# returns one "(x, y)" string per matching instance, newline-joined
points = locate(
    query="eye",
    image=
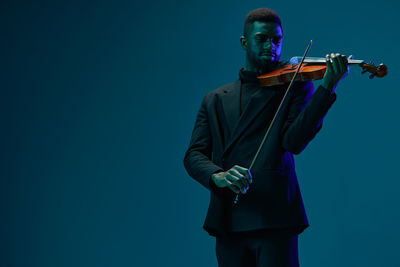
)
(260, 38)
(276, 40)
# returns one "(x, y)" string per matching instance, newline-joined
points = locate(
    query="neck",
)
(251, 68)
(259, 69)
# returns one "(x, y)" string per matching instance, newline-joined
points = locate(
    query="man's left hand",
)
(336, 69)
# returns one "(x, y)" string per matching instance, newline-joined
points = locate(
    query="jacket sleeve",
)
(197, 160)
(305, 115)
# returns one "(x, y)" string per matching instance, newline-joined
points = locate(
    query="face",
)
(263, 45)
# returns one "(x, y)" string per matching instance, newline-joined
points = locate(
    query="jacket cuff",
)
(212, 186)
(327, 95)
(327, 91)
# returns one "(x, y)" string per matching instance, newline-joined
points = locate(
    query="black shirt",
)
(249, 86)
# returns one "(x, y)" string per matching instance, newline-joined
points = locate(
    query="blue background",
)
(98, 102)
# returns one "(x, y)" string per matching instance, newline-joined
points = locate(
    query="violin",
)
(314, 68)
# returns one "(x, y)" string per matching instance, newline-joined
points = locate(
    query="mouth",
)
(267, 54)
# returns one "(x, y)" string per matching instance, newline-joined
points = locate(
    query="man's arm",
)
(197, 160)
(305, 116)
(198, 164)
(306, 111)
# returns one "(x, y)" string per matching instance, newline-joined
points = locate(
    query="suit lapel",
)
(238, 124)
(230, 105)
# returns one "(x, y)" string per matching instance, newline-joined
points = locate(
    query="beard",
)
(263, 65)
(267, 65)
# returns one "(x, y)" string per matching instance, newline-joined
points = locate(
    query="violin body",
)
(286, 73)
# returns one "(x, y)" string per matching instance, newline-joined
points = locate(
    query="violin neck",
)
(320, 60)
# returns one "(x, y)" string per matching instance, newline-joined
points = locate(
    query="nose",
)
(268, 43)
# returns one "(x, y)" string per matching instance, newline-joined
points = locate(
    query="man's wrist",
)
(213, 176)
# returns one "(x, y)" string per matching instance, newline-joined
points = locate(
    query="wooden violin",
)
(313, 69)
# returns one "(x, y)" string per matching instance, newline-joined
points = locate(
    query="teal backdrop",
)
(98, 102)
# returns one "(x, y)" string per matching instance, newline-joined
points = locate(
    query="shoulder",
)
(226, 88)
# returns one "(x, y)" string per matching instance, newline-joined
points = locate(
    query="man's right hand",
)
(237, 178)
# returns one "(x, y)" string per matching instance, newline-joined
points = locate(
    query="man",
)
(262, 228)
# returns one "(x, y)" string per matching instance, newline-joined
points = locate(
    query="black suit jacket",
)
(222, 138)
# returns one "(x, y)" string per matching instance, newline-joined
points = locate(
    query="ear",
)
(243, 42)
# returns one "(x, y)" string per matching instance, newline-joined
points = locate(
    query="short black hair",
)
(261, 14)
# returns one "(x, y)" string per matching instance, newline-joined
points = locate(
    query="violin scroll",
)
(379, 71)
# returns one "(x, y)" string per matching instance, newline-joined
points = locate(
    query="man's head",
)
(262, 40)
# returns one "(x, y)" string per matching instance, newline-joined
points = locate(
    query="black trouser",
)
(257, 249)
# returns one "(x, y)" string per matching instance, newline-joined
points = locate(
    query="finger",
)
(251, 176)
(345, 60)
(346, 63)
(335, 63)
(233, 187)
(329, 66)
(244, 172)
(236, 178)
(342, 63)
